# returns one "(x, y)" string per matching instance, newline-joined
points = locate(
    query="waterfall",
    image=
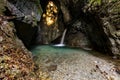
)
(62, 39)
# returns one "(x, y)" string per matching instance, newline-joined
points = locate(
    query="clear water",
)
(51, 49)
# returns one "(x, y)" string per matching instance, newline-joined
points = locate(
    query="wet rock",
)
(52, 67)
(27, 15)
(30, 11)
(51, 24)
(1, 38)
(78, 40)
(15, 60)
(12, 55)
(102, 25)
(47, 34)
(118, 33)
(111, 28)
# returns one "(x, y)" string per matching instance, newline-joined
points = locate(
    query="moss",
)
(2, 6)
(95, 2)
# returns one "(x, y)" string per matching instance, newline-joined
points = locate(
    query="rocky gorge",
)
(91, 25)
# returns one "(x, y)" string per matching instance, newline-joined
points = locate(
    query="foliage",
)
(95, 2)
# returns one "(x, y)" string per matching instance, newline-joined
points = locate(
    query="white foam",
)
(59, 45)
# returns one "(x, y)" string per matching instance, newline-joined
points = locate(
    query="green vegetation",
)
(95, 2)
(2, 6)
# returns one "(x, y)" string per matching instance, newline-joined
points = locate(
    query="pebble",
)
(1, 38)
(118, 33)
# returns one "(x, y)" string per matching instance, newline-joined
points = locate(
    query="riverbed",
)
(65, 63)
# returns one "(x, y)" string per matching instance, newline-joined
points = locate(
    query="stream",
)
(65, 63)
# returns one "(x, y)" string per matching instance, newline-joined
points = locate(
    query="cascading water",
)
(62, 39)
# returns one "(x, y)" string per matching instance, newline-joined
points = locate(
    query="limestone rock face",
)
(16, 62)
(108, 13)
(15, 59)
(28, 14)
(51, 25)
(111, 25)
(27, 11)
(101, 19)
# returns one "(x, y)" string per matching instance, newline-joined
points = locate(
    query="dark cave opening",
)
(24, 31)
(96, 34)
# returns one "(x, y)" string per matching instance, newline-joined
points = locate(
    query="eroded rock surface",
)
(101, 22)
(16, 61)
